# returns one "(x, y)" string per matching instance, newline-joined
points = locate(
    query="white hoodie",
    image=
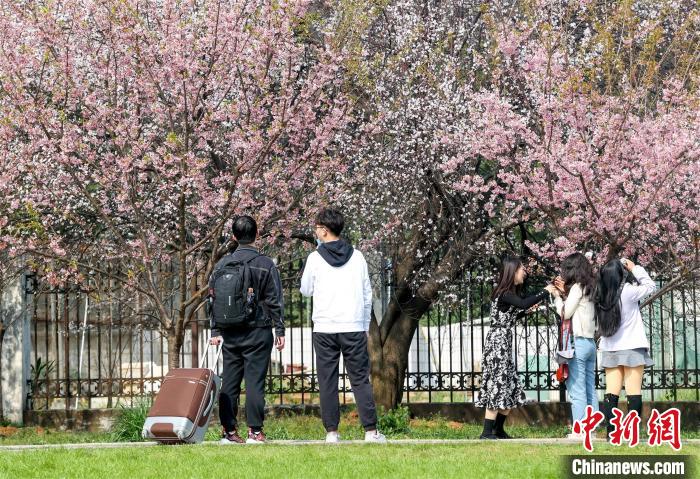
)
(342, 295)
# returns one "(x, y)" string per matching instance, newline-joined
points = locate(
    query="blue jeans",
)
(581, 380)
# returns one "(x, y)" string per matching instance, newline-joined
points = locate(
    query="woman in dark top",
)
(501, 389)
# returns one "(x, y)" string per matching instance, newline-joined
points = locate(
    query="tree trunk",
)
(390, 341)
(389, 344)
(175, 341)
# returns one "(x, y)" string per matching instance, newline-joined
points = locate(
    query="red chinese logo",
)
(665, 427)
(626, 429)
(662, 427)
(587, 425)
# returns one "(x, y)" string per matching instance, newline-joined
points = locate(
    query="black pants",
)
(354, 348)
(246, 354)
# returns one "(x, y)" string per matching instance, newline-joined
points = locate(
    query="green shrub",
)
(129, 421)
(394, 421)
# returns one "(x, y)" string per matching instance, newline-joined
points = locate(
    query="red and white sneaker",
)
(255, 437)
(231, 437)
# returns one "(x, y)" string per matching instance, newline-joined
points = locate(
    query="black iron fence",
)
(93, 350)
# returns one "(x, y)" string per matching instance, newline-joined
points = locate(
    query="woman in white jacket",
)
(623, 344)
(577, 285)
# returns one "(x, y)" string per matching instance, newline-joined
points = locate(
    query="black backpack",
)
(232, 299)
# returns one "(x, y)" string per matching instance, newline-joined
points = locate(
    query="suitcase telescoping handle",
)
(216, 359)
(212, 397)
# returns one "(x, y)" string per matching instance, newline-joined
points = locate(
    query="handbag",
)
(562, 373)
(565, 353)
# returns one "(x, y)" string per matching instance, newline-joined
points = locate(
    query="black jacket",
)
(266, 280)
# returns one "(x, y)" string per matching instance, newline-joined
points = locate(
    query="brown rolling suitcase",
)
(182, 409)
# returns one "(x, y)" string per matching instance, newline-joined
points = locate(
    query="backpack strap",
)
(248, 276)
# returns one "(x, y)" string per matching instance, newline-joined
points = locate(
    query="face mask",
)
(318, 242)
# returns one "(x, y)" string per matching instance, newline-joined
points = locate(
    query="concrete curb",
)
(296, 442)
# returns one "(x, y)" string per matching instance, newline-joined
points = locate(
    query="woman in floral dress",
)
(501, 389)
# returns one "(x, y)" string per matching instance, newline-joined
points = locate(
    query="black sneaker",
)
(488, 436)
(503, 435)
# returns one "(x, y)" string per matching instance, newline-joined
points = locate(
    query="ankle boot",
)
(488, 429)
(498, 429)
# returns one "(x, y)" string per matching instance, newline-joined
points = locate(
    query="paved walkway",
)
(112, 445)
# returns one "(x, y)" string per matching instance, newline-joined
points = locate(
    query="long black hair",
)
(612, 278)
(506, 281)
(577, 269)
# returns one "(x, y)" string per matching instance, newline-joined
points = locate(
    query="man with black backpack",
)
(245, 300)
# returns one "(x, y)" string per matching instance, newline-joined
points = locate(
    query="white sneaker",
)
(374, 436)
(575, 436)
(333, 437)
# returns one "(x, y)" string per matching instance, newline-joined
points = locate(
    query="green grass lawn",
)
(482, 460)
(479, 460)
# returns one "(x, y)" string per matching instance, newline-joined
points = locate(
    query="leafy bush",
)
(394, 421)
(129, 421)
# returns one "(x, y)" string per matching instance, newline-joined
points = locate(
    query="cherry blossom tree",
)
(426, 193)
(614, 159)
(141, 128)
(562, 125)
(450, 131)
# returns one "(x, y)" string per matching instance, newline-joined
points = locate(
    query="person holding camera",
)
(501, 390)
(623, 344)
(336, 277)
(574, 301)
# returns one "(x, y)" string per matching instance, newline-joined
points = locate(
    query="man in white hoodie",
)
(336, 277)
